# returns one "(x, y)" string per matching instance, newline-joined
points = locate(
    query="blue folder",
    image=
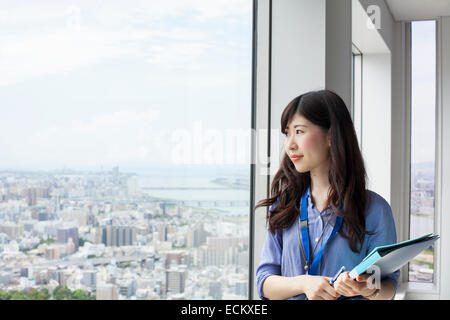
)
(392, 257)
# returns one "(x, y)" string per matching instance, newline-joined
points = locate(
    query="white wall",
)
(298, 59)
(376, 122)
(376, 91)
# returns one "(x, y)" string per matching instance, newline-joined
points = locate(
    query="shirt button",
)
(317, 239)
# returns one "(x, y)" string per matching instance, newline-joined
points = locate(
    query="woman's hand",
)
(318, 288)
(349, 287)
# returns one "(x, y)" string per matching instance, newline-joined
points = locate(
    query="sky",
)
(103, 83)
(423, 95)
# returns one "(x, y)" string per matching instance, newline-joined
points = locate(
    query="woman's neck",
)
(320, 185)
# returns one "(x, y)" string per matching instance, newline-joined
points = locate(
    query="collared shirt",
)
(281, 253)
(316, 222)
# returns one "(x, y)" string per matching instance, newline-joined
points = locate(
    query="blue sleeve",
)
(270, 262)
(381, 222)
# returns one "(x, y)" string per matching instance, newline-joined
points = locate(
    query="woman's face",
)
(309, 141)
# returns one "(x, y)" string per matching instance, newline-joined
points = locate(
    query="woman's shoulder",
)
(374, 199)
(376, 205)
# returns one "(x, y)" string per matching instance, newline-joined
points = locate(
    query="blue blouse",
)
(281, 253)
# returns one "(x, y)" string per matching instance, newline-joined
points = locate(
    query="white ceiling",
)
(409, 10)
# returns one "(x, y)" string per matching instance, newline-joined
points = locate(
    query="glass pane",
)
(124, 136)
(423, 86)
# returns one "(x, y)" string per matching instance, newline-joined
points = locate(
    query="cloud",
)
(35, 41)
(187, 53)
(107, 138)
(57, 52)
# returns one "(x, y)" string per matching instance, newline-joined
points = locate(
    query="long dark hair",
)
(347, 175)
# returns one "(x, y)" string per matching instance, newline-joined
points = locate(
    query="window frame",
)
(420, 284)
(357, 58)
(419, 290)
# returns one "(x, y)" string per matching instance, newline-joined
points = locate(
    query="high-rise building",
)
(114, 236)
(176, 280)
(221, 251)
(115, 174)
(241, 288)
(195, 236)
(89, 278)
(132, 186)
(128, 287)
(12, 229)
(106, 291)
(215, 290)
(31, 196)
(64, 234)
(163, 232)
(162, 205)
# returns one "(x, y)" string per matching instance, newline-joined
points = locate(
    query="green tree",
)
(44, 295)
(80, 294)
(17, 295)
(3, 295)
(33, 295)
(62, 293)
(38, 294)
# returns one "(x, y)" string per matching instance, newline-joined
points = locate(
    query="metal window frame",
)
(415, 287)
(260, 124)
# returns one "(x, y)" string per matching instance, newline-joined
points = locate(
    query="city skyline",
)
(130, 244)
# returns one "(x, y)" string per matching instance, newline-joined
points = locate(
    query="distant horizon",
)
(128, 167)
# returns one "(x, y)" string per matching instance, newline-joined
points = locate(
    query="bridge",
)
(61, 263)
(205, 203)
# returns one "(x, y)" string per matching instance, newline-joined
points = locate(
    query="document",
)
(392, 257)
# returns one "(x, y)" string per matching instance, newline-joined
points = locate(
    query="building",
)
(241, 288)
(165, 232)
(176, 280)
(89, 278)
(106, 291)
(176, 258)
(215, 290)
(127, 288)
(196, 236)
(221, 251)
(13, 230)
(30, 195)
(64, 234)
(132, 186)
(113, 236)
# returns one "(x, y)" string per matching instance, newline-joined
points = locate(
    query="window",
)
(124, 136)
(423, 97)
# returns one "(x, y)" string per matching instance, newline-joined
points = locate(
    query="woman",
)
(322, 172)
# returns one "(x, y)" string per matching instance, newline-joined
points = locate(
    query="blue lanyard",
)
(313, 268)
